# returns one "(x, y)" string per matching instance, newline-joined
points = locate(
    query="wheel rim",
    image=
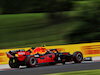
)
(79, 56)
(32, 61)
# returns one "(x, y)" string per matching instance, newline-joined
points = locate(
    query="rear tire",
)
(30, 61)
(13, 64)
(77, 57)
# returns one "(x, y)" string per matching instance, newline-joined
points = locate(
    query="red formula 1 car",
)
(52, 56)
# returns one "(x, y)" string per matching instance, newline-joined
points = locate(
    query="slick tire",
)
(30, 61)
(77, 57)
(13, 64)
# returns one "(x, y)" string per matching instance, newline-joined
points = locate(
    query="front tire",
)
(77, 57)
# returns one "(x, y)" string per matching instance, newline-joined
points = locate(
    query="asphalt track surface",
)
(41, 70)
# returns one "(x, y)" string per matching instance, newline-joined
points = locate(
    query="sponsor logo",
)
(46, 59)
(39, 50)
(1, 59)
(90, 50)
(21, 53)
(2, 54)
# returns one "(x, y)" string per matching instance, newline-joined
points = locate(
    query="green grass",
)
(85, 72)
(32, 29)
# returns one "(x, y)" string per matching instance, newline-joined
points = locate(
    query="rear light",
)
(9, 55)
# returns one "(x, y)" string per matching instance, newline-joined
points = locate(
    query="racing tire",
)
(13, 64)
(30, 61)
(77, 57)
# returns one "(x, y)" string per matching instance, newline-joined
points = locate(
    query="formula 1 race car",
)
(24, 58)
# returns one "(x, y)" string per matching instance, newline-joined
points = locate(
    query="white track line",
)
(5, 66)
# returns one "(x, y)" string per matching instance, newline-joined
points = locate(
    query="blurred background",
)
(52, 22)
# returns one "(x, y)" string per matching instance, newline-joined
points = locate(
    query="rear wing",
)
(12, 53)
